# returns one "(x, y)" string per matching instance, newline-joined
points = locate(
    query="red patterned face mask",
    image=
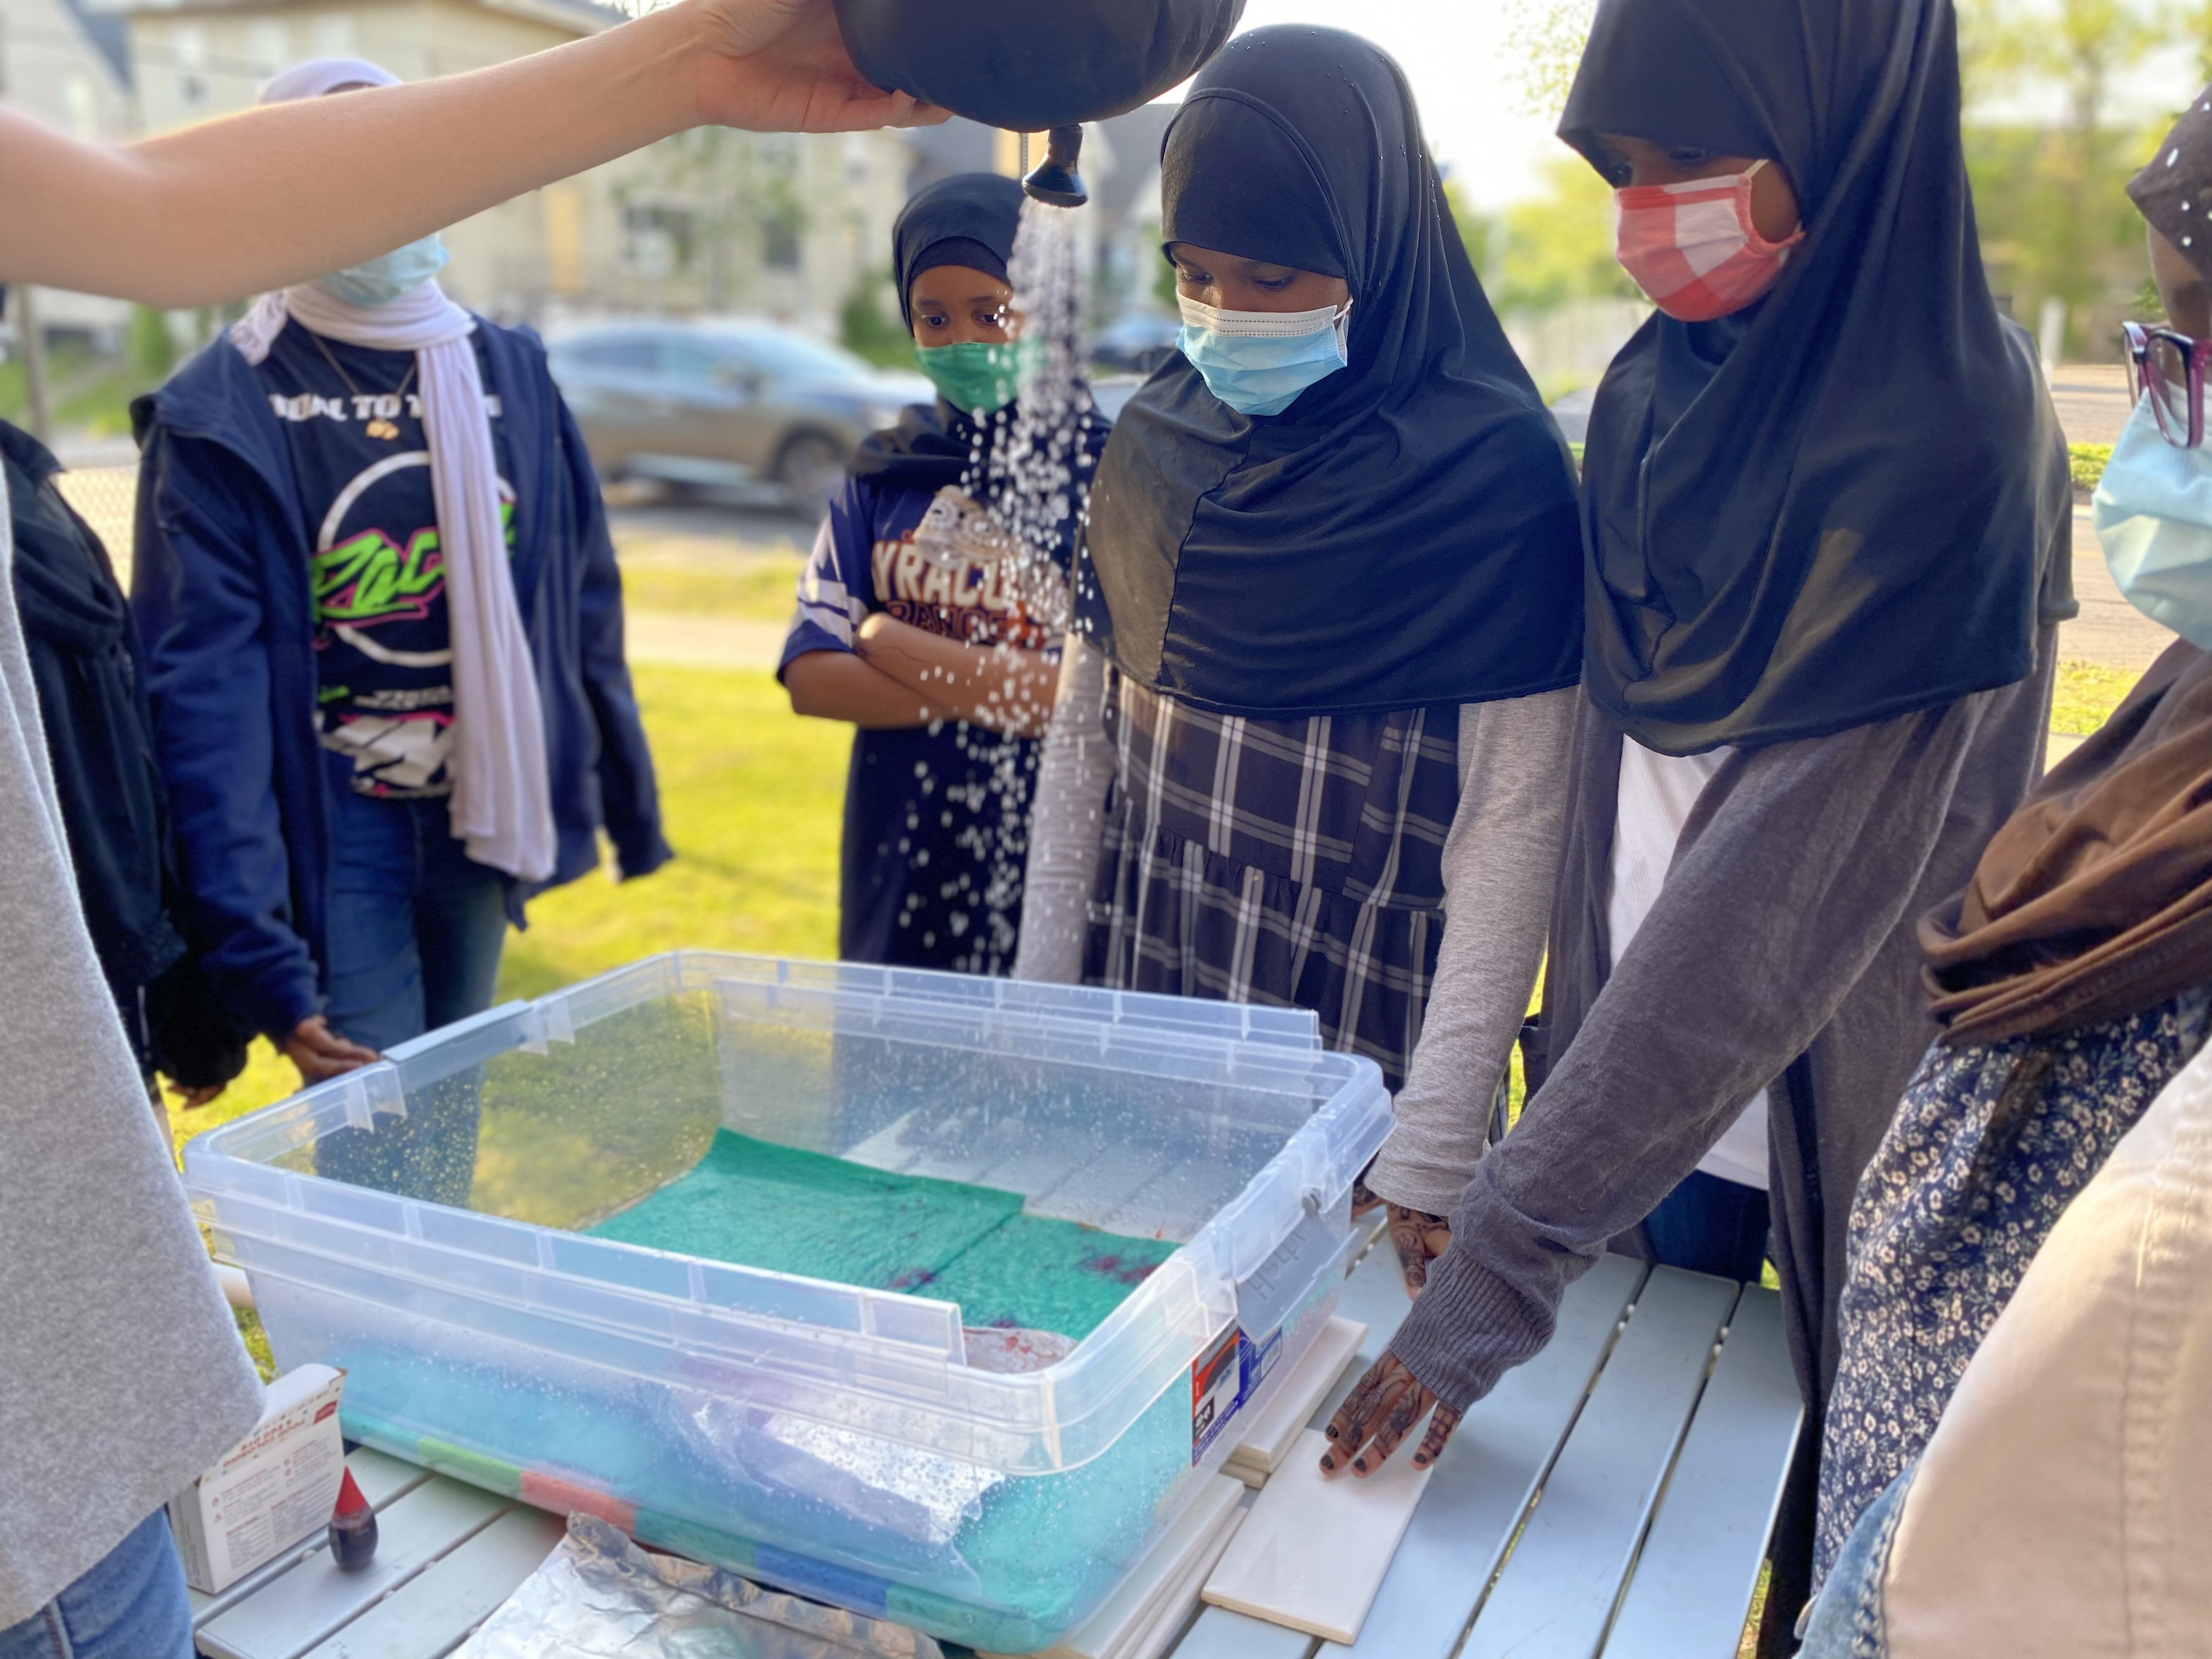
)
(1692, 247)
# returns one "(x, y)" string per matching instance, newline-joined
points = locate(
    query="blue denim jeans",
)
(416, 930)
(1711, 1225)
(130, 1606)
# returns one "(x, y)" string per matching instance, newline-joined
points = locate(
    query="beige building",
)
(771, 224)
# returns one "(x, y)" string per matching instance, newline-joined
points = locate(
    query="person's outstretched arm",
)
(290, 192)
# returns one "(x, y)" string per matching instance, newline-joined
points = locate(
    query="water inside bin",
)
(756, 1204)
(496, 1328)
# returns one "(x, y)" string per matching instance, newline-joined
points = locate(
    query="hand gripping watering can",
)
(1034, 64)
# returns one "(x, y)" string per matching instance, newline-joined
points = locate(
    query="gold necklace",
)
(378, 426)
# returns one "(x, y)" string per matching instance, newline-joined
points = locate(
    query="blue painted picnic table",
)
(1611, 1499)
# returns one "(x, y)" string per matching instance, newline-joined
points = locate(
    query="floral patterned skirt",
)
(1990, 1144)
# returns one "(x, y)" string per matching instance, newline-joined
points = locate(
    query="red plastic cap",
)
(351, 1502)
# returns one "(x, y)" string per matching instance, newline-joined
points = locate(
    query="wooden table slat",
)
(1557, 1592)
(314, 1599)
(1700, 1563)
(433, 1613)
(450, 1554)
(1221, 1634)
(1486, 1476)
(381, 1480)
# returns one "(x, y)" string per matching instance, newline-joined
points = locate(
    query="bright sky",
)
(1454, 52)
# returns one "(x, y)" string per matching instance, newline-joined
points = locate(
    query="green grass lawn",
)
(2086, 696)
(761, 587)
(751, 796)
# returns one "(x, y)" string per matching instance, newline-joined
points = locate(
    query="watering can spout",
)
(1054, 179)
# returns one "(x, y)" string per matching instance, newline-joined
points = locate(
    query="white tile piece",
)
(1267, 1439)
(1313, 1552)
(1127, 1611)
(1173, 1610)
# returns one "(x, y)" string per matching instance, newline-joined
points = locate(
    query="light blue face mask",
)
(2153, 516)
(381, 281)
(1259, 362)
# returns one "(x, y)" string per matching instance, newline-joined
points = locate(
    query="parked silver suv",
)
(737, 402)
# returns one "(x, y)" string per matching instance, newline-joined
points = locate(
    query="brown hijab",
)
(2095, 899)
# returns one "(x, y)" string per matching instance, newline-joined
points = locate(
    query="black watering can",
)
(1031, 65)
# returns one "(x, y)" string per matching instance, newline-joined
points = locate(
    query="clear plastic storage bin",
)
(836, 1440)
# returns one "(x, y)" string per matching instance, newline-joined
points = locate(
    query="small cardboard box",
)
(273, 1490)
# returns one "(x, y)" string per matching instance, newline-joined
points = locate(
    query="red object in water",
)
(353, 1528)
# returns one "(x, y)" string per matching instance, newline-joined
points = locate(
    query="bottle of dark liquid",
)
(353, 1528)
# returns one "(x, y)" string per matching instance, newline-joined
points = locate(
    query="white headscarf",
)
(501, 803)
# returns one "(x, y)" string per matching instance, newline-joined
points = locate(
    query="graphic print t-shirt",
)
(376, 568)
(936, 822)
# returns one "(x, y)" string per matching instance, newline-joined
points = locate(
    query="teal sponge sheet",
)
(1029, 1274)
(757, 1205)
(754, 1204)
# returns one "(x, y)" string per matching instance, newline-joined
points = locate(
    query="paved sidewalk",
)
(2091, 400)
(2109, 631)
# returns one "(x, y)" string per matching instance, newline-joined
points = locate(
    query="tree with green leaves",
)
(2052, 200)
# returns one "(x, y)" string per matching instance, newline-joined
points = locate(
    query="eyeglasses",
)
(2170, 365)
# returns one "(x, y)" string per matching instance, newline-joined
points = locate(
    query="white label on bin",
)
(1217, 1390)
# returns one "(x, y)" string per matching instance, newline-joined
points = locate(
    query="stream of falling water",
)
(1036, 478)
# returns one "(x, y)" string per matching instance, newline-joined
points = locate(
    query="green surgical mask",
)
(978, 378)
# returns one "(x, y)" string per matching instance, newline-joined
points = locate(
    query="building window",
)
(657, 241)
(83, 107)
(188, 59)
(859, 148)
(782, 221)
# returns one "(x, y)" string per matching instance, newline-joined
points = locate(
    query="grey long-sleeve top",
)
(122, 1377)
(1500, 859)
(1780, 948)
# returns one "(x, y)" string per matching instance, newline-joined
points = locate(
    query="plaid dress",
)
(1289, 862)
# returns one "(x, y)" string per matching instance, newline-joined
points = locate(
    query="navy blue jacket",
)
(220, 593)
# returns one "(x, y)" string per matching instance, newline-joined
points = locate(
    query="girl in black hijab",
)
(1827, 517)
(1327, 615)
(930, 612)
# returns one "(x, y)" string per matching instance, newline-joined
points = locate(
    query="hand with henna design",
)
(1386, 1406)
(1420, 1238)
(1364, 1201)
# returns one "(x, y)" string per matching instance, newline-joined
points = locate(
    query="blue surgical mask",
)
(2153, 510)
(1259, 362)
(381, 281)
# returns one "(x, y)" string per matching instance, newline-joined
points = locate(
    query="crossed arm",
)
(898, 675)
